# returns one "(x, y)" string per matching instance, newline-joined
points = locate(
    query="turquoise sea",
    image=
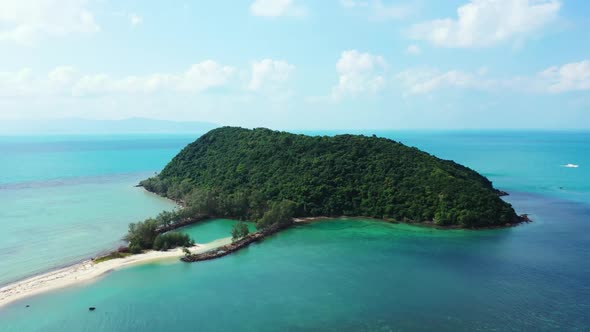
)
(66, 198)
(343, 275)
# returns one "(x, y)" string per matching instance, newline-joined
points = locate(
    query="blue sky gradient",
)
(296, 64)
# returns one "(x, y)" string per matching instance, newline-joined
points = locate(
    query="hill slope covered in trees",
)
(244, 173)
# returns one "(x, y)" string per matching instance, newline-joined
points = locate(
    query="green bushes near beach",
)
(147, 234)
(239, 231)
(278, 213)
(172, 240)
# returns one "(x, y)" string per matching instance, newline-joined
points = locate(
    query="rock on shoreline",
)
(235, 246)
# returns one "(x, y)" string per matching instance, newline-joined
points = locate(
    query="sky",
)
(300, 64)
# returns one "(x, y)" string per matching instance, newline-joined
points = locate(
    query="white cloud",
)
(199, 77)
(569, 77)
(66, 80)
(275, 8)
(484, 23)
(557, 79)
(270, 73)
(25, 21)
(423, 81)
(135, 19)
(381, 10)
(205, 75)
(359, 73)
(414, 50)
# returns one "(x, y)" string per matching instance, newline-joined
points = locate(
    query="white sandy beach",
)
(88, 270)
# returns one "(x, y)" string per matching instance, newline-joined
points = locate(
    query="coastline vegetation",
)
(172, 240)
(120, 253)
(239, 231)
(270, 177)
(153, 233)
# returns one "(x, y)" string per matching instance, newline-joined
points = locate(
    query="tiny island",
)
(278, 179)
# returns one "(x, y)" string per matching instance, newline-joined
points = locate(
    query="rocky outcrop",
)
(235, 246)
(525, 218)
(502, 193)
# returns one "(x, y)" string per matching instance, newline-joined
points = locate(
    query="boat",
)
(571, 166)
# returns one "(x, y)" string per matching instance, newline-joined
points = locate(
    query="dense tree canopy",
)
(151, 233)
(249, 173)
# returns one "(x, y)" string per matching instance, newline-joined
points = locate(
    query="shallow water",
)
(360, 275)
(346, 275)
(64, 199)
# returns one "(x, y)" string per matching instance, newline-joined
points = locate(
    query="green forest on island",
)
(270, 176)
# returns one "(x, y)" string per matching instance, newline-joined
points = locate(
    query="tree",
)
(146, 235)
(142, 234)
(166, 218)
(135, 249)
(186, 251)
(239, 231)
(279, 213)
(172, 240)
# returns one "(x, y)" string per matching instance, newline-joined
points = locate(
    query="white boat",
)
(571, 166)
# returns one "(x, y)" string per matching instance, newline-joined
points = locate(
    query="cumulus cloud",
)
(66, 80)
(275, 8)
(25, 21)
(569, 77)
(359, 73)
(270, 73)
(484, 23)
(423, 81)
(204, 75)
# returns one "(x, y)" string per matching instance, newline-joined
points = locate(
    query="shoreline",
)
(523, 219)
(88, 270)
(236, 245)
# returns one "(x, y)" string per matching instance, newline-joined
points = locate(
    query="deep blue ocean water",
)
(345, 275)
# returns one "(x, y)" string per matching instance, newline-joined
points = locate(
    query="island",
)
(277, 178)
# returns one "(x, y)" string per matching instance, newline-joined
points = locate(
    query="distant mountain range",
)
(84, 126)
